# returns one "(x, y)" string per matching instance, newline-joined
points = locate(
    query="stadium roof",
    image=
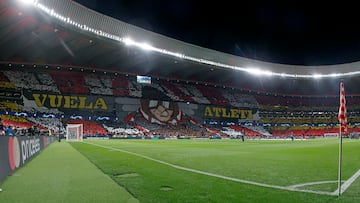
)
(301, 33)
(65, 34)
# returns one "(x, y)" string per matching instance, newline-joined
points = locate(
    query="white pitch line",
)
(290, 188)
(347, 183)
(312, 183)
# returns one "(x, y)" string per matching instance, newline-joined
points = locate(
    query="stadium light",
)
(269, 73)
(257, 71)
(317, 76)
(254, 71)
(145, 46)
(129, 42)
(28, 1)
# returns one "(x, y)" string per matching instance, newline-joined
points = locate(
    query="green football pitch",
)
(188, 171)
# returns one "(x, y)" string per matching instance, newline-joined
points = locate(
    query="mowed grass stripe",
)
(61, 174)
(148, 178)
(215, 175)
(283, 163)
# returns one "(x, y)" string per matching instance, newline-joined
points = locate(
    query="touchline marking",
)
(289, 188)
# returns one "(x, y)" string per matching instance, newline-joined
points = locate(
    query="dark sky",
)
(289, 33)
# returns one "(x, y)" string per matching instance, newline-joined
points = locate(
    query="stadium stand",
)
(278, 115)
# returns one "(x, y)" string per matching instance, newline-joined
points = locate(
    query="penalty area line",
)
(215, 175)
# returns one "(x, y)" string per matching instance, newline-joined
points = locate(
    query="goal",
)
(331, 135)
(74, 132)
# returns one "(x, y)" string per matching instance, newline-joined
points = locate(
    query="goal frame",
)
(79, 132)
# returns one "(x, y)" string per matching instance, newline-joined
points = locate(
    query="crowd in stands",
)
(280, 115)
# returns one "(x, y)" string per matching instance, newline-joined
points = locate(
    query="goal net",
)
(331, 135)
(74, 132)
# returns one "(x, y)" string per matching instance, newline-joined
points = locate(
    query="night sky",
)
(288, 33)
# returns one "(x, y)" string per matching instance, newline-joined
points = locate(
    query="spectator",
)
(31, 131)
(2, 130)
(36, 131)
(9, 131)
(243, 135)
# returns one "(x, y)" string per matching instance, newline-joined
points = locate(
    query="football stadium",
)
(94, 109)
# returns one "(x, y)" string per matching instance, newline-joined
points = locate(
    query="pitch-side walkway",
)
(62, 174)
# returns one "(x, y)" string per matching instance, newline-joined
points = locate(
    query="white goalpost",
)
(74, 132)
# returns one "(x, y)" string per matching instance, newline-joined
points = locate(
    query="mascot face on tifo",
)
(161, 112)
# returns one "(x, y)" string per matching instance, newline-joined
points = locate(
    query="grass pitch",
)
(186, 171)
(209, 170)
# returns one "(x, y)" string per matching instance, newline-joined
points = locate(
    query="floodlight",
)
(145, 46)
(316, 76)
(128, 41)
(27, 1)
(254, 71)
(257, 71)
